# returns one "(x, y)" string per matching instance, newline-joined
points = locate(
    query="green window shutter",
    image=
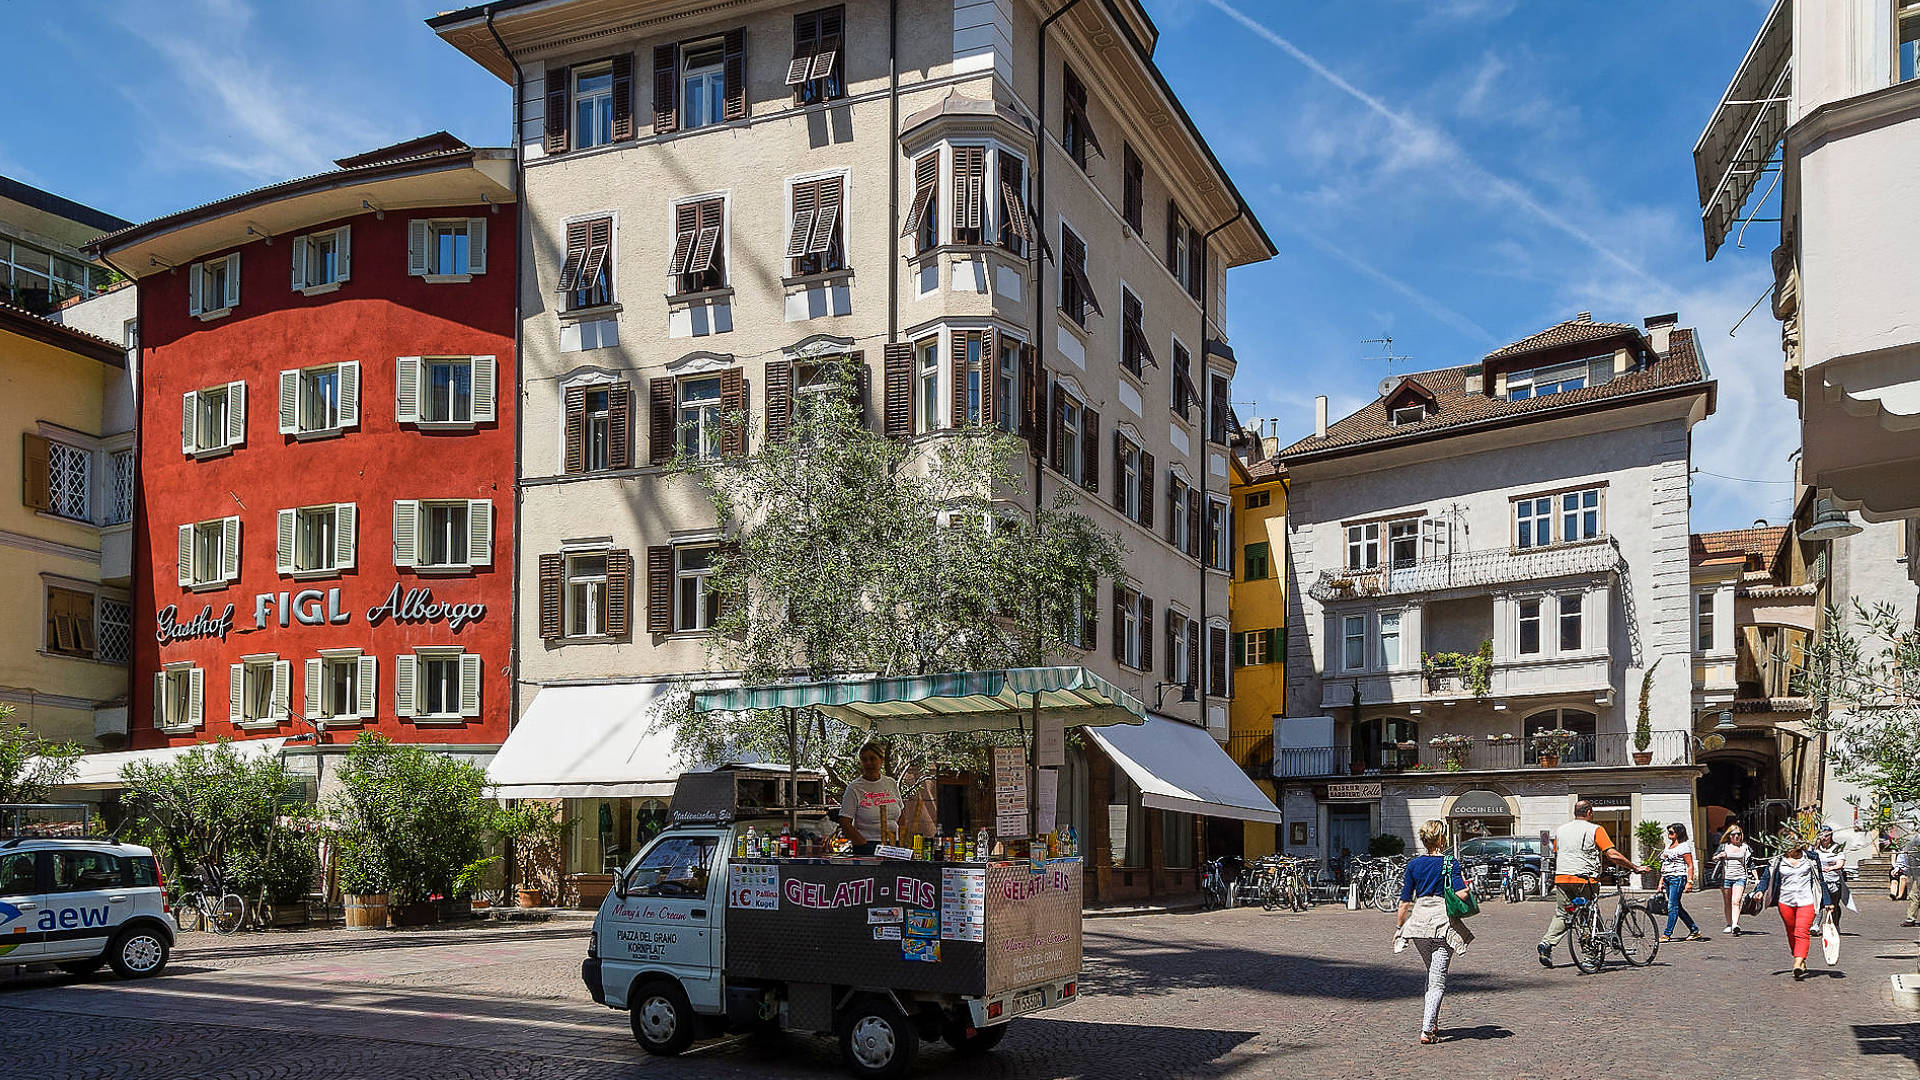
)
(1276, 641)
(1239, 649)
(1256, 562)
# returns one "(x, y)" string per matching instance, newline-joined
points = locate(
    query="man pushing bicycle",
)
(1581, 848)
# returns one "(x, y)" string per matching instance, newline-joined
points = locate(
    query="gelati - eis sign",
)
(314, 607)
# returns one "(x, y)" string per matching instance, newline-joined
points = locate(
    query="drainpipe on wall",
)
(1206, 463)
(893, 169)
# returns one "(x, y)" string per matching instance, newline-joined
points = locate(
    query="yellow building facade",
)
(1257, 602)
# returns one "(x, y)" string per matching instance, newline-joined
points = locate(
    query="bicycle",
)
(216, 908)
(1634, 932)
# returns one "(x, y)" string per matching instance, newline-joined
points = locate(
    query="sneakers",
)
(1695, 936)
(1546, 955)
(1730, 930)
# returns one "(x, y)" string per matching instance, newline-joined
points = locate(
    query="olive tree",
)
(212, 807)
(1864, 675)
(30, 766)
(411, 821)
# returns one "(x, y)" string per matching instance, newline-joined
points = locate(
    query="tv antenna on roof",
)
(1387, 341)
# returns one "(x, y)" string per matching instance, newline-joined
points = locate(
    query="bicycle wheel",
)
(1386, 895)
(1588, 947)
(1270, 895)
(187, 910)
(229, 915)
(1639, 938)
(1302, 899)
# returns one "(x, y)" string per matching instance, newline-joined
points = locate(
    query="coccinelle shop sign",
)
(313, 607)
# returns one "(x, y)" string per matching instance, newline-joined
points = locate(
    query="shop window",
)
(321, 259)
(1176, 840)
(446, 248)
(452, 534)
(178, 696)
(437, 684)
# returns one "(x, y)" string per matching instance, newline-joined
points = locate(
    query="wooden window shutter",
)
(1131, 194)
(957, 382)
(659, 590)
(1196, 522)
(576, 431)
(1240, 648)
(1032, 397)
(1196, 263)
(826, 218)
(805, 205)
(777, 384)
(556, 122)
(1089, 620)
(660, 423)
(1056, 420)
(1146, 634)
(36, 472)
(623, 97)
(1173, 509)
(552, 575)
(619, 426)
(1217, 662)
(686, 229)
(969, 186)
(734, 72)
(1172, 642)
(806, 41)
(578, 240)
(599, 247)
(1146, 489)
(1090, 451)
(1173, 238)
(897, 391)
(1119, 470)
(926, 180)
(1120, 602)
(706, 249)
(619, 592)
(666, 88)
(733, 407)
(1076, 265)
(989, 377)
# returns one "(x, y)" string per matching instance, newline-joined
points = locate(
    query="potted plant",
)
(1551, 745)
(363, 880)
(1652, 837)
(1453, 750)
(459, 904)
(534, 832)
(418, 815)
(1643, 725)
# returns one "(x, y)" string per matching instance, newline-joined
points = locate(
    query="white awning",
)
(1179, 767)
(103, 770)
(588, 742)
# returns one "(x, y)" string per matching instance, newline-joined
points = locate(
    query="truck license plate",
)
(1029, 1001)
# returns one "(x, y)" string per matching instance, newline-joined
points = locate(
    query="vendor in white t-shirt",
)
(867, 798)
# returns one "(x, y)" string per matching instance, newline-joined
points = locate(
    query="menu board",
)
(1009, 791)
(1047, 800)
(963, 904)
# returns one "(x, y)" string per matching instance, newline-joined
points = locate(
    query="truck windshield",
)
(676, 866)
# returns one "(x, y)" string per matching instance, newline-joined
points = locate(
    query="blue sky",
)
(1455, 173)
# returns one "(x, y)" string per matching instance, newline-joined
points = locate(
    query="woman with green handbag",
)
(1434, 898)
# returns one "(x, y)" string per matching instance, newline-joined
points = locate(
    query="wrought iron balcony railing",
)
(1470, 570)
(1606, 750)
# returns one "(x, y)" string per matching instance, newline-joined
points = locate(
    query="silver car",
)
(79, 904)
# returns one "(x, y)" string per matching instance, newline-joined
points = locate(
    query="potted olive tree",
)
(417, 816)
(1653, 839)
(1552, 745)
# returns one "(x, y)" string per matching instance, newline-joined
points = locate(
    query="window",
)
(321, 259)
(586, 595)
(701, 425)
(1529, 627)
(446, 247)
(813, 239)
(210, 552)
(340, 686)
(1081, 629)
(69, 481)
(446, 390)
(1127, 477)
(213, 286)
(1254, 647)
(91, 871)
(114, 621)
(1259, 499)
(1389, 640)
(1219, 544)
(815, 72)
(1132, 187)
(213, 420)
(443, 536)
(678, 867)
(1257, 568)
(1909, 48)
(1181, 396)
(38, 280)
(1583, 724)
(703, 84)
(1076, 290)
(259, 686)
(1006, 410)
(1016, 225)
(1363, 546)
(121, 464)
(696, 603)
(1409, 414)
(1135, 353)
(923, 218)
(1579, 515)
(1570, 636)
(1133, 625)
(592, 105)
(1182, 637)
(1533, 522)
(447, 534)
(320, 399)
(1703, 621)
(449, 392)
(586, 278)
(977, 379)
(1403, 542)
(70, 630)
(178, 696)
(1178, 525)
(315, 539)
(437, 685)
(1076, 130)
(1219, 405)
(1179, 245)
(1539, 382)
(699, 259)
(969, 194)
(596, 421)
(926, 384)
(1353, 642)
(1076, 438)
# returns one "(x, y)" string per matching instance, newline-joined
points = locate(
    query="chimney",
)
(1585, 316)
(1660, 330)
(1320, 417)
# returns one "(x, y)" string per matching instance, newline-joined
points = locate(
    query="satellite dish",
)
(1388, 383)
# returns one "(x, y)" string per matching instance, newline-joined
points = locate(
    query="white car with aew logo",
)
(81, 904)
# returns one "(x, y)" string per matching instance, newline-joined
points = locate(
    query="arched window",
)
(1376, 742)
(1578, 721)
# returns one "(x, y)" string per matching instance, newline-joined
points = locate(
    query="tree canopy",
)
(30, 766)
(1864, 673)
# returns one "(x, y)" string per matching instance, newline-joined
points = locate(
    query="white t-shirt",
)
(862, 802)
(1673, 860)
(1733, 862)
(1833, 863)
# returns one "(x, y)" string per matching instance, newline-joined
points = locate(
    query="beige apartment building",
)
(1003, 216)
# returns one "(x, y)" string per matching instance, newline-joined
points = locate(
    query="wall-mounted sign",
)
(1480, 803)
(305, 608)
(1611, 801)
(1337, 792)
(314, 607)
(418, 606)
(204, 625)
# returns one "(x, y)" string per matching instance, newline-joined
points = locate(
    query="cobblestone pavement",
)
(1227, 994)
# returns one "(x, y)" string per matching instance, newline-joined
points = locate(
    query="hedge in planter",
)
(412, 818)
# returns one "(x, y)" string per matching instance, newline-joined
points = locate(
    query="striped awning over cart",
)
(955, 701)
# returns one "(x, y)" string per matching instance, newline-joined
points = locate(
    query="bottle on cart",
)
(753, 843)
(785, 846)
(740, 845)
(981, 843)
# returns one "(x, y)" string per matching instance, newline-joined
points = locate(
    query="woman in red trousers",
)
(1801, 893)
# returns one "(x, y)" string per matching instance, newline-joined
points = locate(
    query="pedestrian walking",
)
(1677, 873)
(1424, 921)
(1731, 862)
(1580, 849)
(1832, 858)
(1800, 891)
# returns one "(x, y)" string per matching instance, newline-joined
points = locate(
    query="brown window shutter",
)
(660, 423)
(1193, 651)
(623, 97)
(734, 71)
(989, 377)
(826, 219)
(706, 250)
(858, 358)
(1032, 399)
(1089, 621)
(1119, 470)
(805, 204)
(556, 123)
(897, 390)
(686, 229)
(619, 592)
(1172, 621)
(969, 186)
(778, 386)
(552, 573)
(926, 180)
(1146, 634)
(1090, 452)
(1120, 602)
(1196, 263)
(1016, 209)
(1173, 508)
(1131, 193)
(659, 590)
(666, 88)
(36, 472)
(1217, 663)
(1146, 489)
(806, 41)
(576, 454)
(1196, 521)
(578, 240)
(733, 407)
(957, 370)
(620, 426)
(1173, 238)
(1056, 420)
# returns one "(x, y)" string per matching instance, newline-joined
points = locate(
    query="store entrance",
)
(1348, 830)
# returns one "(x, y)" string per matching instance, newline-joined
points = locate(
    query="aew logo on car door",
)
(11, 936)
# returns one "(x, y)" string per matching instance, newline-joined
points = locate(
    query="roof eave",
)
(47, 332)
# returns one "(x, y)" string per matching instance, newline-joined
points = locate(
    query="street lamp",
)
(1160, 693)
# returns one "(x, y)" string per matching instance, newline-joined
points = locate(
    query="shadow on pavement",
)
(1475, 1034)
(1127, 966)
(375, 940)
(1901, 1040)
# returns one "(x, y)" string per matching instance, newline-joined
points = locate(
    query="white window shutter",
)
(344, 543)
(285, 521)
(186, 556)
(485, 388)
(419, 244)
(316, 671)
(350, 394)
(404, 689)
(236, 693)
(479, 532)
(406, 531)
(477, 245)
(233, 280)
(159, 699)
(231, 527)
(406, 390)
(343, 254)
(196, 284)
(196, 697)
(282, 689)
(189, 416)
(469, 684)
(299, 262)
(369, 672)
(236, 414)
(289, 402)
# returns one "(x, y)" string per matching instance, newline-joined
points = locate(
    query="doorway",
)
(1348, 830)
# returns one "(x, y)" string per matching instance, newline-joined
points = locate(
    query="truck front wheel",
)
(878, 1041)
(663, 1022)
(981, 1041)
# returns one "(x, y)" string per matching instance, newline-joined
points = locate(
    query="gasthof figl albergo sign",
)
(314, 607)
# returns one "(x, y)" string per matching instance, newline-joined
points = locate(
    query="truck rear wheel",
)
(981, 1041)
(663, 1022)
(877, 1040)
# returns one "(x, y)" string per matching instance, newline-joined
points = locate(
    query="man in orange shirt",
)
(1581, 848)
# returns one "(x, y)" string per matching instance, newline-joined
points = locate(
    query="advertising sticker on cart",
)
(754, 886)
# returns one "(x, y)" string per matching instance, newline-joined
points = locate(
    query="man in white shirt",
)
(1581, 848)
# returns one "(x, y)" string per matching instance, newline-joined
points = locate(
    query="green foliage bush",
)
(409, 817)
(244, 815)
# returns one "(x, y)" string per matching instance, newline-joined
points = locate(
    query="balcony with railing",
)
(1555, 676)
(1605, 750)
(1470, 570)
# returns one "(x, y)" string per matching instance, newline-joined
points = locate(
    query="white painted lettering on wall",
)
(313, 607)
(417, 605)
(203, 625)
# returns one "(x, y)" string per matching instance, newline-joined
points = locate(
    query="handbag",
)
(1456, 907)
(1752, 903)
(1657, 904)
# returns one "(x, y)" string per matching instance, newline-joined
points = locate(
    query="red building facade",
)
(329, 541)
